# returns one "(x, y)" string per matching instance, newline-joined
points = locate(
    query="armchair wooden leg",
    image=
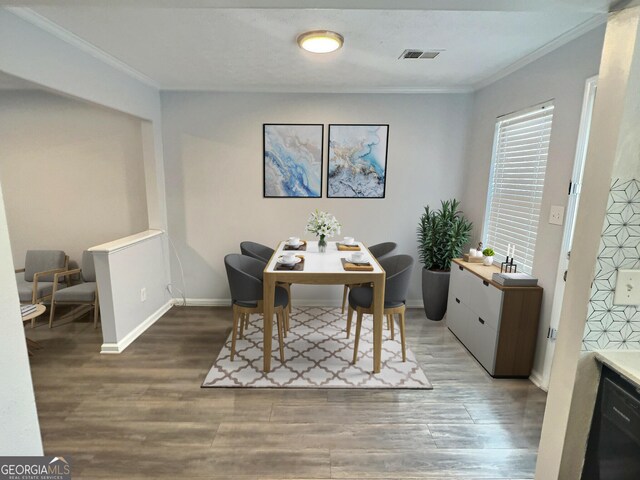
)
(52, 313)
(404, 348)
(391, 326)
(289, 294)
(286, 322)
(280, 321)
(358, 327)
(243, 323)
(345, 292)
(246, 320)
(234, 333)
(349, 320)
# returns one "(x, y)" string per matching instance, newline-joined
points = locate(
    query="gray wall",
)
(72, 173)
(213, 162)
(560, 76)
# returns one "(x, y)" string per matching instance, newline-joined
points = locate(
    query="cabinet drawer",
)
(459, 319)
(460, 282)
(483, 340)
(485, 300)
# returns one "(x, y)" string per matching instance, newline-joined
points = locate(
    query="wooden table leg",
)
(378, 315)
(269, 291)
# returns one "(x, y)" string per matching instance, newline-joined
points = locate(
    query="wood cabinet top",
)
(486, 273)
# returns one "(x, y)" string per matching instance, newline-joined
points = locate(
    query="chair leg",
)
(358, 327)
(345, 292)
(243, 323)
(234, 333)
(246, 321)
(280, 321)
(404, 348)
(349, 320)
(289, 294)
(286, 322)
(52, 313)
(391, 326)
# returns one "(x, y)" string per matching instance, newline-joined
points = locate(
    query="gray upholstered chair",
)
(245, 282)
(35, 280)
(264, 254)
(85, 293)
(380, 250)
(398, 269)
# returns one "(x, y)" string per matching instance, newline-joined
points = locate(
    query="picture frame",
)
(357, 160)
(292, 160)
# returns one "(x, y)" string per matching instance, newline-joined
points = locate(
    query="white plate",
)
(295, 245)
(352, 244)
(295, 260)
(362, 260)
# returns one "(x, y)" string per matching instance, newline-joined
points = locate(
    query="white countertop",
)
(327, 262)
(625, 362)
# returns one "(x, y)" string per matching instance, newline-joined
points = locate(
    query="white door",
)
(573, 190)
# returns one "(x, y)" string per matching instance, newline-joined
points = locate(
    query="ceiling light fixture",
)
(320, 41)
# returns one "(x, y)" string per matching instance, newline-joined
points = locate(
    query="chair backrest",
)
(245, 277)
(42, 261)
(88, 267)
(382, 249)
(398, 269)
(256, 250)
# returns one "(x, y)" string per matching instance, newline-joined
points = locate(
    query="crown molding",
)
(554, 44)
(72, 39)
(334, 90)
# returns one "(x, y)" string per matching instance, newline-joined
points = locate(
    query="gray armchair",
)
(379, 251)
(398, 269)
(35, 280)
(85, 293)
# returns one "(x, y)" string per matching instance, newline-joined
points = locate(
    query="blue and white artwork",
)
(293, 160)
(357, 161)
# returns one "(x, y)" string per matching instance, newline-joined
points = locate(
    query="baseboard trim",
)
(115, 348)
(297, 302)
(536, 379)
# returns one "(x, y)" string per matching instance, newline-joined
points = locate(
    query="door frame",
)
(573, 191)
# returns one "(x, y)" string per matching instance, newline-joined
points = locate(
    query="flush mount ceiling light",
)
(320, 41)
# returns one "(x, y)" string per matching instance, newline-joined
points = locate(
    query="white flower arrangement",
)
(323, 224)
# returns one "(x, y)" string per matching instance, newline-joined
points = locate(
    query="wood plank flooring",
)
(142, 414)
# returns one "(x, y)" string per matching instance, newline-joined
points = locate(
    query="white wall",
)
(72, 173)
(560, 76)
(213, 161)
(20, 432)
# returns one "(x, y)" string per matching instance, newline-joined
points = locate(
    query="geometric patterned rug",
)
(317, 355)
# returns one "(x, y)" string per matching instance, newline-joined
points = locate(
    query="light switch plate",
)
(556, 215)
(627, 288)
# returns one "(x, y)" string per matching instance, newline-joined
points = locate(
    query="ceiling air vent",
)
(413, 54)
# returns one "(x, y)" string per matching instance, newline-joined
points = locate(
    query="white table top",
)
(327, 262)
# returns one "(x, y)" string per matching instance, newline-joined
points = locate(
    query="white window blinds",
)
(518, 167)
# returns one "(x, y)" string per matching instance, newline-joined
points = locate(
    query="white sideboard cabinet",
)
(498, 325)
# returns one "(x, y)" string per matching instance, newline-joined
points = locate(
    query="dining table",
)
(323, 268)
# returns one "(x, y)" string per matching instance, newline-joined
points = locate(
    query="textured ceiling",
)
(255, 50)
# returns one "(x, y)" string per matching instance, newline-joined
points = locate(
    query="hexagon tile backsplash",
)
(612, 326)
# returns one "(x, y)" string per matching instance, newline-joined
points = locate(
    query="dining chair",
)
(245, 282)
(84, 293)
(398, 269)
(35, 280)
(264, 253)
(379, 250)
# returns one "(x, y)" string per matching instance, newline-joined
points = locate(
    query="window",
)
(518, 166)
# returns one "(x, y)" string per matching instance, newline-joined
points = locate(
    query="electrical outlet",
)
(143, 294)
(627, 288)
(556, 215)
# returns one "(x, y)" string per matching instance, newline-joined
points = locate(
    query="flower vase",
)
(322, 244)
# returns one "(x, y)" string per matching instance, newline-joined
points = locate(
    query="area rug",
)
(317, 355)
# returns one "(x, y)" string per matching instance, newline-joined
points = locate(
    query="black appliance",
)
(613, 450)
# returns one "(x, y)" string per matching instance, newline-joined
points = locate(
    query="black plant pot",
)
(435, 290)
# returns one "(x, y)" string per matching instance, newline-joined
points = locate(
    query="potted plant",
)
(324, 225)
(487, 256)
(441, 236)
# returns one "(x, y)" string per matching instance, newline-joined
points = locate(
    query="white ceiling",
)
(249, 49)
